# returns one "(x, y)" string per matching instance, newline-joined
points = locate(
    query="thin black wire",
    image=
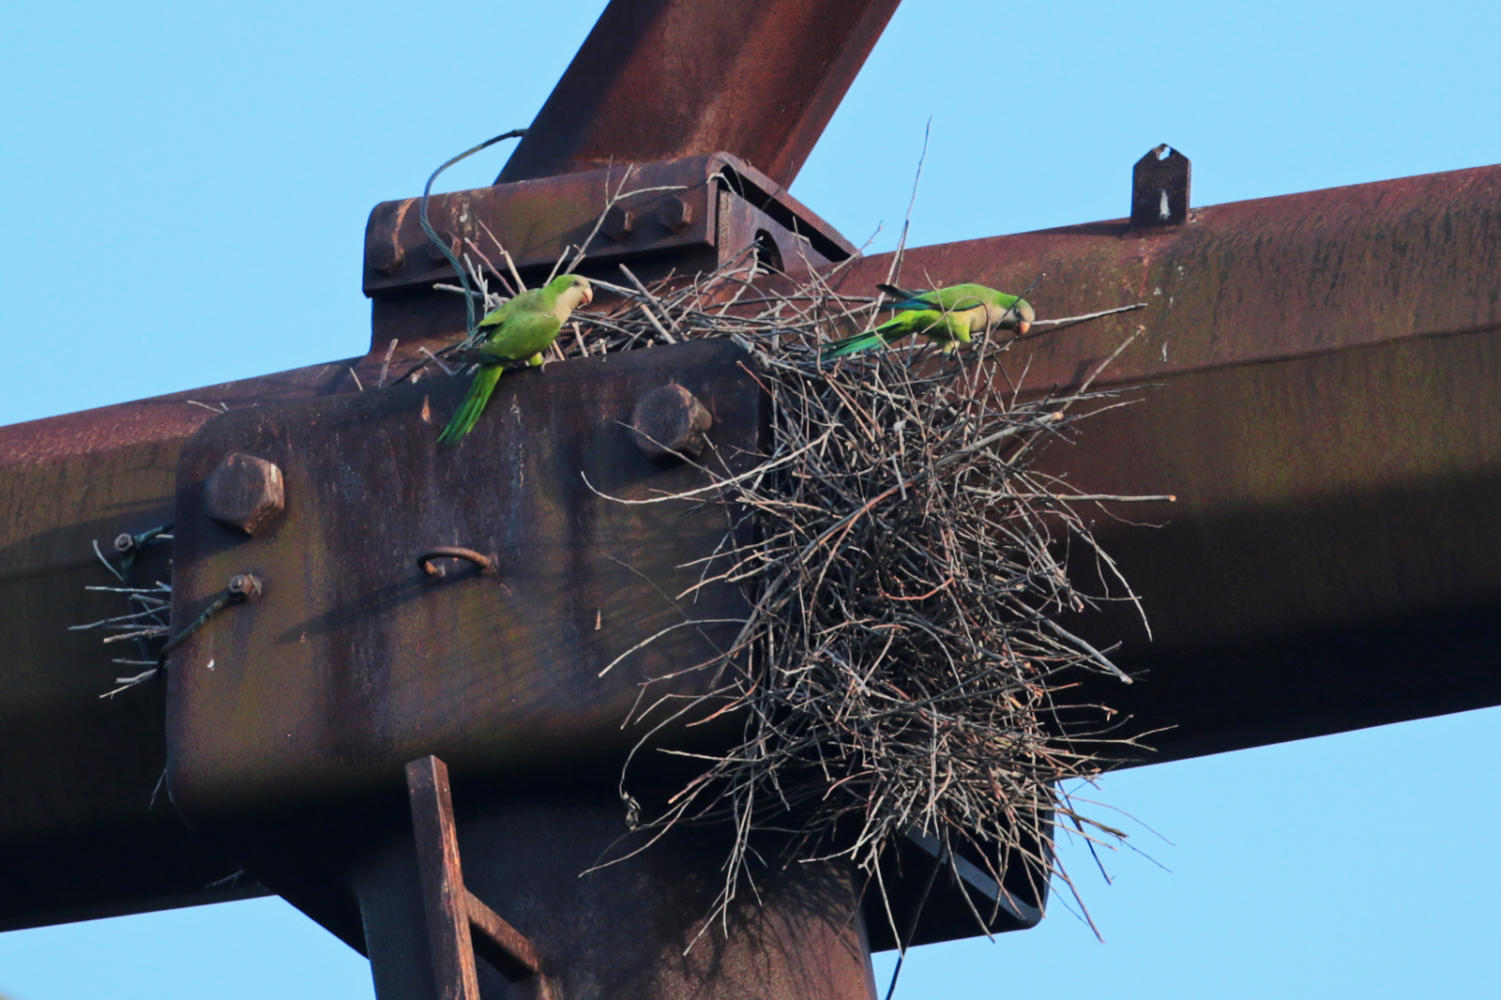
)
(432, 235)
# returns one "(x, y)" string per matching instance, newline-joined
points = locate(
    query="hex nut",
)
(245, 493)
(386, 256)
(618, 223)
(670, 422)
(676, 214)
(245, 586)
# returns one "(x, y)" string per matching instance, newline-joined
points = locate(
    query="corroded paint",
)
(662, 79)
(1327, 414)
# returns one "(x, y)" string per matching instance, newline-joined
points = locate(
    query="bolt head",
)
(618, 223)
(245, 586)
(670, 422)
(386, 256)
(675, 214)
(245, 493)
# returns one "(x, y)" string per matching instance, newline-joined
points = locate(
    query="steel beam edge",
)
(661, 79)
(1321, 389)
(1393, 325)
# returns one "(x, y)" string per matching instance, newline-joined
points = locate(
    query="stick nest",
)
(903, 668)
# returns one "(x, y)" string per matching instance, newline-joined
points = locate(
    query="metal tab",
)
(672, 78)
(1159, 188)
(701, 209)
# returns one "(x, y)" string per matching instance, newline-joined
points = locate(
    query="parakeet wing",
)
(522, 335)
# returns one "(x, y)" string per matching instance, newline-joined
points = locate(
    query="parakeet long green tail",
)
(849, 345)
(463, 421)
(943, 328)
(517, 330)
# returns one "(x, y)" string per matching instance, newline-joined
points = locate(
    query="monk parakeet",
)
(518, 329)
(945, 315)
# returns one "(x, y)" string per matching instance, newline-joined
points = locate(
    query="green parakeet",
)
(950, 316)
(519, 329)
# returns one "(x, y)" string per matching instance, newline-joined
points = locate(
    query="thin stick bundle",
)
(904, 667)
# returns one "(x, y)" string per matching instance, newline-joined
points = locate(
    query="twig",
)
(385, 365)
(1065, 321)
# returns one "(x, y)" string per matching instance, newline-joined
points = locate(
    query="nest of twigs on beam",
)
(903, 668)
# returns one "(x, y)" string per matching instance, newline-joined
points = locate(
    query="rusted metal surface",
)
(354, 662)
(620, 931)
(245, 493)
(1327, 407)
(685, 215)
(670, 421)
(1327, 413)
(82, 772)
(1328, 565)
(450, 908)
(441, 882)
(1160, 188)
(658, 79)
(356, 659)
(427, 561)
(658, 207)
(1249, 281)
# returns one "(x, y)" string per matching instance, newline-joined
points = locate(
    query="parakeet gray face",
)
(572, 291)
(587, 290)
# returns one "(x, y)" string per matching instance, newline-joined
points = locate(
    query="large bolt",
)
(618, 223)
(245, 493)
(386, 256)
(675, 214)
(670, 421)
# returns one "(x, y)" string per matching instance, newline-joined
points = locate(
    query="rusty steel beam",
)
(1325, 401)
(360, 656)
(624, 930)
(660, 79)
(459, 924)
(307, 702)
(82, 774)
(696, 213)
(1326, 409)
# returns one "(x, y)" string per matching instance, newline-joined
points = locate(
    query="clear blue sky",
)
(186, 191)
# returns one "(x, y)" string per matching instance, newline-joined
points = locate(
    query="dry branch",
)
(902, 669)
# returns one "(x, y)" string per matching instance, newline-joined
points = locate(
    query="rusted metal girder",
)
(687, 215)
(362, 655)
(1325, 401)
(1327, 413)
(361, 652)
(661, 79)
(622, 931)
(804, 938)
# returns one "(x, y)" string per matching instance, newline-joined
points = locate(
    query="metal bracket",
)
(459, 925)
(1159, 188)
(685, 215)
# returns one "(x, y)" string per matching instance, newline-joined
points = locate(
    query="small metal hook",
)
(425, 562)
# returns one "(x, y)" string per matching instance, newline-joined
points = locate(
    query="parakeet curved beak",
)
(1025, 316)
(588, 294)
